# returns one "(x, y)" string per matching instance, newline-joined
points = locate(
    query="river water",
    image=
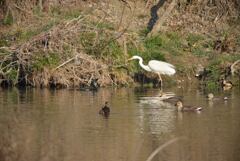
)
(64, 125)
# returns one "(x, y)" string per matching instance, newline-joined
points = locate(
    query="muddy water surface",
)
(64, 125)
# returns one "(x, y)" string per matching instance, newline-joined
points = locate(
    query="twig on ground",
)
(154, 153)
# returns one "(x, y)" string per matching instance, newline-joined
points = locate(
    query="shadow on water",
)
(49, 125)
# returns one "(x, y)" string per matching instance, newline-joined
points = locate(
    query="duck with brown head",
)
(226, 84)
(181, 108)
(211, 97)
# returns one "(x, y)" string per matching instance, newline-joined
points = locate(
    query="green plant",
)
(25, 35)
(169, 41)
(142, 16)
(50, 60)
(153, 49)
(12, 75)
(56, 11)
(193, 38)
(144, 32)
(238, 41)
(70, 14)
(3, 42)
(87, 40)
(174, 39)
(37, 11)
(211, 85)
(199, 52)
(8, 19)
(114, 50)
(104, 25)
(154, 42)
(49, 25)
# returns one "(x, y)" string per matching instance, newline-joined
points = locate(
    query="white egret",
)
(156, 66)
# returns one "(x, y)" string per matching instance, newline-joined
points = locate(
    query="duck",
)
(211, 97)
(105, 110)
(225, 98)
(226, 85)
(173, 100)
(181, 108)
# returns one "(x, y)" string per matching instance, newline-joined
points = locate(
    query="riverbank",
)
(75, 45)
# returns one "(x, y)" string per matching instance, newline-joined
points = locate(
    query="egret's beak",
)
(129, 59)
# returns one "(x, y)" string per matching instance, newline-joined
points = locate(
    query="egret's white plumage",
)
(156, 66)
(161, 67)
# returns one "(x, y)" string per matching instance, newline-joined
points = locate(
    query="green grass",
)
(198, 45)
(169, 42)
(238, 40)
(87, 40)
(104, 25)
(56, 11)
(8, 19)
(153, 43)
(211, 85)
(143, 32)
(50, 60)
(153, 49)
(12, 75)
(49, 25)
(164, 43)
(19, 35)
(4, 42)
(26, 35)
(198, 51)
(70, 14)
(37, 11)
(193, 38)
(114, 50)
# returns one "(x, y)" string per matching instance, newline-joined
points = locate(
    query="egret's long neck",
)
(145, 67)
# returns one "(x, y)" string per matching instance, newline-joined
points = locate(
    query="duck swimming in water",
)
(181, 108)
(173, 100)
(211, 97)
(226, 85)
(105, 111)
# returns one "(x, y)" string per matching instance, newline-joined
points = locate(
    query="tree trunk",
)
(157, 27)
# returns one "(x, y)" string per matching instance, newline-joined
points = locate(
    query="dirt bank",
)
(79, 43)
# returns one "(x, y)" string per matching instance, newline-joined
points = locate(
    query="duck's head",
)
(210, 96)
(179, 105)
(226, 82)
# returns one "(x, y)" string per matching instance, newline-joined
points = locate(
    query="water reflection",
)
(49, 125)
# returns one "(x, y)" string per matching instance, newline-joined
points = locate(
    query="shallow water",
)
(64, 125)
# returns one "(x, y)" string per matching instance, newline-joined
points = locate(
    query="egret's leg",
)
(160, 78)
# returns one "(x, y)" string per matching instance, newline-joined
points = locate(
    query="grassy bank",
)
(74, 47)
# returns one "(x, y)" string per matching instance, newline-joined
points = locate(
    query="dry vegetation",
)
(66, 43)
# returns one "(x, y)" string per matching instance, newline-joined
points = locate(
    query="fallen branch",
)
(162, 147)
(66, 62)
(233, 66)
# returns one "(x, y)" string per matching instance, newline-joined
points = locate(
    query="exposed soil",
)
(73, 43)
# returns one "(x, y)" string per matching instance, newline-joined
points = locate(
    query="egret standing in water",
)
(156, 66)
